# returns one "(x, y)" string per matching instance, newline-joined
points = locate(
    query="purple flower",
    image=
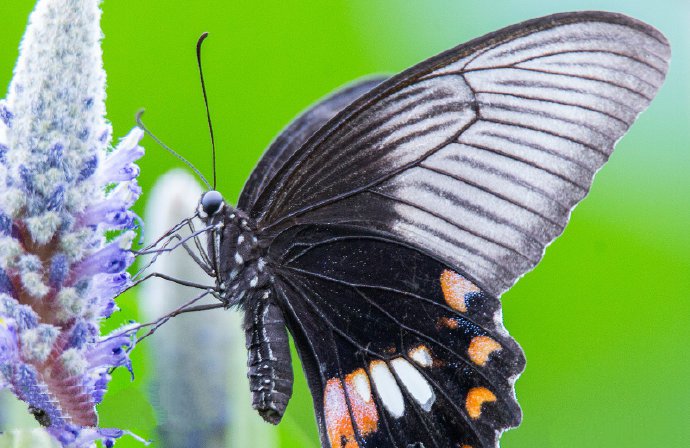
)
(62, 188)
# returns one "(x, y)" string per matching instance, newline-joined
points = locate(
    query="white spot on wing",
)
(421, 356)
(415, 383)
(361, 383)
(387, 388)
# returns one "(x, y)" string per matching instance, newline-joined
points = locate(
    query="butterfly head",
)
(211, 203)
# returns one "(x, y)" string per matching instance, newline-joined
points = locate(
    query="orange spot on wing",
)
(447, 322)
(362, 402)
(338, 423)
(454, 287)
(481, 348)
(476, 397)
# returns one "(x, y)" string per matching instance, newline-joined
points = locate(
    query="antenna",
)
(208, 113)
(166, 147)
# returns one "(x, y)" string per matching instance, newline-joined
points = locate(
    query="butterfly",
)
(381, 227)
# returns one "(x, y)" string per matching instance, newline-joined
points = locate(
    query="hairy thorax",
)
(239, 256)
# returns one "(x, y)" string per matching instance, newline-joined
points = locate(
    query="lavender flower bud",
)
(58, 273)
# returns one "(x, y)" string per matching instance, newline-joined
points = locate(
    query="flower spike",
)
(58, 272)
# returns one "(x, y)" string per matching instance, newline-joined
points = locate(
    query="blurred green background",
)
(604, 319)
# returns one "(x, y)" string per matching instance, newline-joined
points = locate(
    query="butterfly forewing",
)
(401, 346)
(481, 152)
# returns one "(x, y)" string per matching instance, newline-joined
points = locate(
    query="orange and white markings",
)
(481, 348)
(421, 355)
(476, 397)
(339, 427)
(415, 383)
(359, 381)
(387, 388)
(454, 287)
(361, 402)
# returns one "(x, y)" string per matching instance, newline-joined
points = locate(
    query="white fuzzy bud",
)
(72, 243)
(10, 250)
(13, 200)
(70, 304)
(37, 343)
(73, 361)
(33, 284)
(43, 227)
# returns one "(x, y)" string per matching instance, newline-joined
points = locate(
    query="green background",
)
(604, 319)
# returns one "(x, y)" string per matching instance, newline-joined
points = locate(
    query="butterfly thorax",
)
(238, 255)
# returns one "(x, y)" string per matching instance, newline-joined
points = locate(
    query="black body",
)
(383, 224)
(244, 281)
(269, 362)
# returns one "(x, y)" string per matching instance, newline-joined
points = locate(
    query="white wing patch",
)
(421, 356)
(387, 388)
(415, 383)
(361, 385)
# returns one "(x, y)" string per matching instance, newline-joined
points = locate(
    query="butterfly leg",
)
(194, 257)
(199, 244)
(200, 257)
(169, 236)
(188, 307)
(173, 230)
(168, 278)
(200, 261)
(181, 241)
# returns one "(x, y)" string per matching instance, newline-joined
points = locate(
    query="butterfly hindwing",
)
(399, 348)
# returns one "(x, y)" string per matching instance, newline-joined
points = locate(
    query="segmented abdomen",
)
(270, 367)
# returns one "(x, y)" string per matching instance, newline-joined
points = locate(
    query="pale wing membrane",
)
(392, 133)
(298, 132)
(479, 154)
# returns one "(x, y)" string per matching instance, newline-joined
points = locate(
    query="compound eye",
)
(211, 202)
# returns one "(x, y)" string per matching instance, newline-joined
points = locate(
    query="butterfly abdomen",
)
(269, 364)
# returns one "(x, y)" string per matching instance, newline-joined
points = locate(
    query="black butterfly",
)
(383, 224)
